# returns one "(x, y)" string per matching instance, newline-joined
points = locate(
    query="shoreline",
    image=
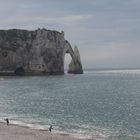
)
(17, 132)
(26, 132)
(39, 128)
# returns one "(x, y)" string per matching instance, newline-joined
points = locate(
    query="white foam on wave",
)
(87, 132)
(92, 135)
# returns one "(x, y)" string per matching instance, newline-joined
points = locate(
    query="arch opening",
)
(20, 71)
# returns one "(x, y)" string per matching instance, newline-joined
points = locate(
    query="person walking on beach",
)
(7, 121)
(50, 128)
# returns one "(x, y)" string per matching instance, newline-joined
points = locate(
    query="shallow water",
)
(96, 104)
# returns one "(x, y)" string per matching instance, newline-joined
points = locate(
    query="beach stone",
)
(37, 52)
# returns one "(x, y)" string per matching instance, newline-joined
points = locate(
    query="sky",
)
(107, 32)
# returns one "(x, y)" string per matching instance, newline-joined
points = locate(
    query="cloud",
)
(112, 55)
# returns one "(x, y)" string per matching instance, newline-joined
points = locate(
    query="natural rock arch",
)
(37, 52)
(75, 66)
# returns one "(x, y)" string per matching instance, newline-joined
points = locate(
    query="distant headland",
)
(37, 52)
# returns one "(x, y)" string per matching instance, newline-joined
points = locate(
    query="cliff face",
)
(41, 51)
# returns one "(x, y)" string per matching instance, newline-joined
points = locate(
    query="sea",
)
(99, 104)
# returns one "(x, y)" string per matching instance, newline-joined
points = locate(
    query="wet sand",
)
(16, 132)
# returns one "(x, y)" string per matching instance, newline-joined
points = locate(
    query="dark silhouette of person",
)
(7, 121)
(50, 128)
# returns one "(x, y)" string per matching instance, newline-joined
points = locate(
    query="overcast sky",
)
(107, 32)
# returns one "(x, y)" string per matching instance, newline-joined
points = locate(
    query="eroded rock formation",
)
(36, 52)
(75, 66)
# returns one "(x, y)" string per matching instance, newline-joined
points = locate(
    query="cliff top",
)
(23, 34)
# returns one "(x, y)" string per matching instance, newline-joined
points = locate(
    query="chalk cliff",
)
(36, 52)
(75, 66)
